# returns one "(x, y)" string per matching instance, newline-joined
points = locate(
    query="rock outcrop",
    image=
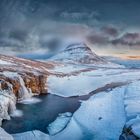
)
(20, 79)
(23, 84)
(23, 76)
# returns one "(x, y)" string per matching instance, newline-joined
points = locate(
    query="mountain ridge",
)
(81, 53)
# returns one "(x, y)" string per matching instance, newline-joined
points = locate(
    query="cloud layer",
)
(107, 26)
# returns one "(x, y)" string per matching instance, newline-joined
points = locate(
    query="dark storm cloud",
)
(97, 39)
(104, 35)
(125, 40)
(128, 39)
(110, 30)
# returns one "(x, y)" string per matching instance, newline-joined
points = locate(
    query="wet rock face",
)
(7, 83)
(34, 84)
(37, 83)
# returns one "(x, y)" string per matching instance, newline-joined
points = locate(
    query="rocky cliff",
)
(20, 79)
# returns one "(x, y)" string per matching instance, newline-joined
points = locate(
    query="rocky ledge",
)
(20, 79)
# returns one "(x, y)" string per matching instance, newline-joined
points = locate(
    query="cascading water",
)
(24, 92)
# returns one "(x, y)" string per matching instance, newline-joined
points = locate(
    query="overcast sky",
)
(110, 27)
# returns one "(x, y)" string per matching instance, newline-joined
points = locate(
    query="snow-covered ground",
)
(4, 135)
(85, 82)
(102, 117)
(31, 135)
(2, 62)
(64, 68)
(132, 103)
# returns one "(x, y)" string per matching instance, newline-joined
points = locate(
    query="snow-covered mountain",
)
(80, 53)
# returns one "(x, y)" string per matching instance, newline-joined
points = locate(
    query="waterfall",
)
(24, 92)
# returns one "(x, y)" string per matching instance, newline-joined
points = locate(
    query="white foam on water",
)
(17, 113)
(32, 100)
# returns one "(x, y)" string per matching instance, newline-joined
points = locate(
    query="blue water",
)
(38, 116)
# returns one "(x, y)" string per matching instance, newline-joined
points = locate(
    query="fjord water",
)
(39, 115)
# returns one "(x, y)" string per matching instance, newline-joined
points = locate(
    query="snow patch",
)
(86, 82)
(4, 135)
(60, 123)
(2, 62)
(31, 135)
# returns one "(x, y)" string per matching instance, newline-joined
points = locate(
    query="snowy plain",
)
(87, 81)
